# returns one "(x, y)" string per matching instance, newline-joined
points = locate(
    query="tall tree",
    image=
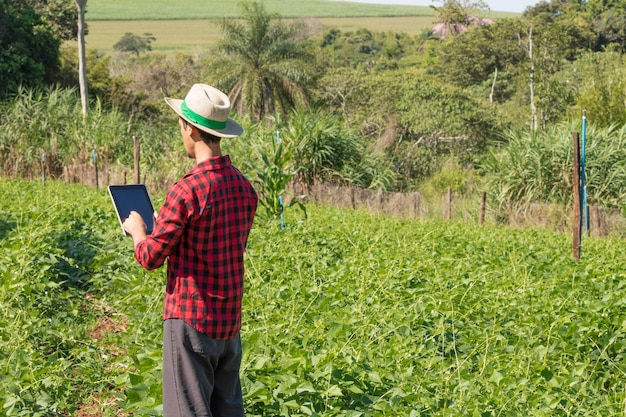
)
(457, 15)
(82, 58)
(134, 43)
(263, 63)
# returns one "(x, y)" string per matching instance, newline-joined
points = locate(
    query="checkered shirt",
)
(202, 229)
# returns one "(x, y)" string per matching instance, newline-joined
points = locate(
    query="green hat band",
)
(194, 117)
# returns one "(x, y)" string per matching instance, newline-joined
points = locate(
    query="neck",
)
(204, 151)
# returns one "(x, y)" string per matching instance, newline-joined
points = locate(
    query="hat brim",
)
(232, 129)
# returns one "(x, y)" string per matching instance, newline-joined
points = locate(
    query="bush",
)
(538, 167)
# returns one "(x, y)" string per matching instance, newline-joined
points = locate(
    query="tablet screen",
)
(133, 197)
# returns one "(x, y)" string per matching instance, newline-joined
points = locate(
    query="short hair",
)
(205, 136)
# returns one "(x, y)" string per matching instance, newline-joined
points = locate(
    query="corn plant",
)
(270, 180)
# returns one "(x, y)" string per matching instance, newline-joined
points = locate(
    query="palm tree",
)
(265, 66)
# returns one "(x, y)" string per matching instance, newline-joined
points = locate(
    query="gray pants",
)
(200, 374)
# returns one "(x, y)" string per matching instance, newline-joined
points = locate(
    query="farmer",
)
(202, 229)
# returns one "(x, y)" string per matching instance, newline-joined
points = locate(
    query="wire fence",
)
(410, 205)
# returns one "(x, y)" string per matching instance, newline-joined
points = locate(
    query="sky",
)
(517, 6)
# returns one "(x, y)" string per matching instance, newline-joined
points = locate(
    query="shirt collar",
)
(211, 164)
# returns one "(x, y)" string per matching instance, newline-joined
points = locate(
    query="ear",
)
(187, 127)
(193, 132)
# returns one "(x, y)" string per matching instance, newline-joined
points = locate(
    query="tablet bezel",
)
(143, 205)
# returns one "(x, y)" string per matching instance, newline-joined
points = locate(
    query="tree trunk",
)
(82, 60)
(493, 85)
(533, 106)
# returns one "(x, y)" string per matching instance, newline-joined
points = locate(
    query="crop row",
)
(345, 314)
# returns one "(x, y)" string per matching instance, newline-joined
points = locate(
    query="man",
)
(202, 229)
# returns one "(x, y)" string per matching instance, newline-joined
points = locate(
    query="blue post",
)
(585, 207)
(43, 169)
(280, 198)
(95, 163)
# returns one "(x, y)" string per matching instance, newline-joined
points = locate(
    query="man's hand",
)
(135, 226)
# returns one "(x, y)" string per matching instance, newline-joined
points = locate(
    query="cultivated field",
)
(190, 27)
(346, 314)
(174, 35)
(206, 9)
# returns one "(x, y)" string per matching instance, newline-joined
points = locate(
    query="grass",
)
(200, 9)
(346, 314)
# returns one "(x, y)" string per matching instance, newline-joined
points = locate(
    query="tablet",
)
(132, 197)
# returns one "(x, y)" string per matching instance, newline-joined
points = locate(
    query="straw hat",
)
(207, 108)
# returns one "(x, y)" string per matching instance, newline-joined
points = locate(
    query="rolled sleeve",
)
(169, 227)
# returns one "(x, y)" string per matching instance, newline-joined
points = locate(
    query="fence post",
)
(417, 204)
(136, 159)
(448, 205)
(599, 222)
(577, 224)
(352, 197)
(483, 206)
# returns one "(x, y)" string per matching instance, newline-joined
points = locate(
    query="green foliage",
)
(452, 176)
(602, 97)
(364, 49)
(429, 108)
(271, 179)
(415, 119)
(538, 168)
(455, 12)
(603, 21)
(489, 46)
(55, 253)
(138, 83)
(60, 15)
(345, 314)
(611, 29)
(505, 46)
(402, 118)
(30, 50)
(531, 168)
(50, 121)
(322, 147)
(134, 43)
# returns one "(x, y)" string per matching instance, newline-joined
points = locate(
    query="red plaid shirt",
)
(203, 228)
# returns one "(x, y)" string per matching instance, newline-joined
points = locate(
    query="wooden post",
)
(577, 224)
(448, 205)
(483, 205)
(136, 159)
(380, 200)
(598, 221)
(417, 204)
(352, 197)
